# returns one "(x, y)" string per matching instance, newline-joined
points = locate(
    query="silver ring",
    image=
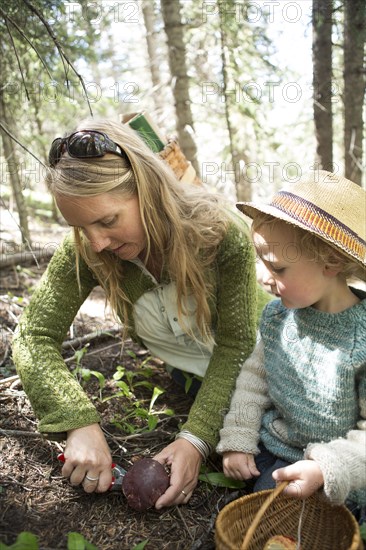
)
(184, 493)
(91, 478)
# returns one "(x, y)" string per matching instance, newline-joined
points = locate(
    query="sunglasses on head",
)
(84, 144)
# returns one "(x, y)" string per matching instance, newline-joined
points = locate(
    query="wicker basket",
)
(172, 154)
(182, 168)
(242, 525)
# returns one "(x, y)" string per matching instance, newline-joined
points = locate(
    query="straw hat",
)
(328, 205)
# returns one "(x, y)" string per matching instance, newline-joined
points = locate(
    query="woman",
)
(177, 267)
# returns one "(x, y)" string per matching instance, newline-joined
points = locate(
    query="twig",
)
(67, 360)
(59, 49)
(199, 543)
(9, 379)
(20, 144)
(81, 340)
(25, 257)
(5, 356)
(185, 524)
(23, 35)
(16, 55)
(153, 433)
(21, 433)
(14, 482)
(73, 358)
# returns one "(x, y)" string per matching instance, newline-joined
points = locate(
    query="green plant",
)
(189, 380)
(83, 374)
(29, 541)
(76, 541)
(141, 545)
(137, 411)
(363, 532)
(25, 541)
(218, 479)
(78, 356)
(127, 381)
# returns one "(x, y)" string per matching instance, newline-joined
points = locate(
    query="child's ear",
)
(332, 270)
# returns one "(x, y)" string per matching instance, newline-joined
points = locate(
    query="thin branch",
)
(67, 361)
(63, 56)
(17, 57)
(23, 35)
(73, 358)
(9, 379)
(21, 144)
(351, 150)
(26, 257)
(188, 530)
(20, 433)
(27, 243)
(97, 334)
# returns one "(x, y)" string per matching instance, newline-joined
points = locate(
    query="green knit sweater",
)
(58, 400)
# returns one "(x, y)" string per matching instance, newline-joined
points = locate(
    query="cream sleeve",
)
(240, 431)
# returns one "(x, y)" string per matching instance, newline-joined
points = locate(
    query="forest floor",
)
(34, 497)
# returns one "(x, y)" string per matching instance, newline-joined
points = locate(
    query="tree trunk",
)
(239, 161)
(354, 86)
(15, 181)
(37, 119)
(177, 63)
(322, 82)
(152, 48)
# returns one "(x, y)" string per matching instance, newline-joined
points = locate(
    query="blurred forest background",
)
(256, 91)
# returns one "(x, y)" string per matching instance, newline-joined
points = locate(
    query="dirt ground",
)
(35, 497)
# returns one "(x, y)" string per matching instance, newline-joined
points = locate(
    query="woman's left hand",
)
(305, 477)
(184, 461)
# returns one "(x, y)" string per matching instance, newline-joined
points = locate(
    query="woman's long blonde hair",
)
(184, 224)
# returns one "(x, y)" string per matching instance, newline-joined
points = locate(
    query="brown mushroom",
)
(144, 483)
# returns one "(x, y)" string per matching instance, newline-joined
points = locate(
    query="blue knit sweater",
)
(303, 394)
(312, 361)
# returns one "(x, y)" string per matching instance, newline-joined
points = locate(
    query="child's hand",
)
(305, 477)
(239, 465)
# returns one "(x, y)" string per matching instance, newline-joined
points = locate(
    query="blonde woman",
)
(178, 269)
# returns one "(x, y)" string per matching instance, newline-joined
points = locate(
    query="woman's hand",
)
(88, 459)
(305, 477)
(184, 461)
(239, 465)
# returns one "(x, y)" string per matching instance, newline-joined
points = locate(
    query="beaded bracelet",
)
(200, 445)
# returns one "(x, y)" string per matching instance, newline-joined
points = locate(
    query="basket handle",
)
(249, 534)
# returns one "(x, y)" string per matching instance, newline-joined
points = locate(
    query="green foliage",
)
(218, 479)
(75, 541)
(29, 541)
(138, 411)
(43, 88)
(140, 415)
(363, 532)
(25, 541)
(189, 380)
(141, 545)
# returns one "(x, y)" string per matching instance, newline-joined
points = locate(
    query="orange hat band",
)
(320, 222)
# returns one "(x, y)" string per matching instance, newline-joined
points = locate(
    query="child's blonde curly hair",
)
(313, 247)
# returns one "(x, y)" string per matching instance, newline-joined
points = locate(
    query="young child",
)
(299, 409)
